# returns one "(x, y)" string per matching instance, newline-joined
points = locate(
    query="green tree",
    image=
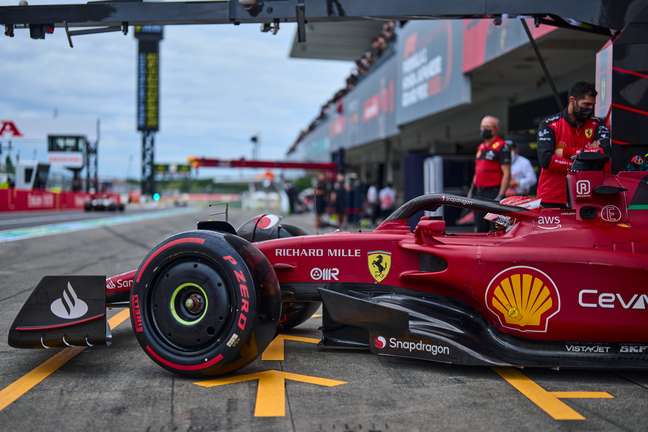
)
(9, 166)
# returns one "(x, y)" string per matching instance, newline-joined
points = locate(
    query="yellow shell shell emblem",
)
(523, 299)
(379, 264)
(588, 133)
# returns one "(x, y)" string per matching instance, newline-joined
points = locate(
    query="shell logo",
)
(523, 299)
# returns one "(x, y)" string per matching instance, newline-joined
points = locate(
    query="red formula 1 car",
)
(548, 287)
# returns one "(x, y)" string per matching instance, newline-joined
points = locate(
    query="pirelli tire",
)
(267, 227)
(205, 303)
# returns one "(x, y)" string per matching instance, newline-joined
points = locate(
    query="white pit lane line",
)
(87, 224)
(50, 218)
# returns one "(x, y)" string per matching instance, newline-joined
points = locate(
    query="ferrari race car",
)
(547, 287)
(104, 202)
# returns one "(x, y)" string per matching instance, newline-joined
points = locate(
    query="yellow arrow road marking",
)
(276, 350)
(271, 390)
(582, 395)
(548, 401)
(31, 379)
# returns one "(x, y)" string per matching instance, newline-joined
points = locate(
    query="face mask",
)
(486, 134)
(583, 113)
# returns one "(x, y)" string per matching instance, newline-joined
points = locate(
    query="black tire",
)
(293, 313)
(204, 303)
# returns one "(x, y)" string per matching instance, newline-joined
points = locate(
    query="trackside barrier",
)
(28, 200)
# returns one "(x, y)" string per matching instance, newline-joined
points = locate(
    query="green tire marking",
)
(172, 304)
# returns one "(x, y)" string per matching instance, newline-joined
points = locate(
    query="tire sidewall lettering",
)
(235, 275)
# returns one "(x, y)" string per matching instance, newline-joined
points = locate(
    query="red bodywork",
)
(552, 276)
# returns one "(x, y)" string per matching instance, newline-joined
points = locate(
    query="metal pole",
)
(550, 80)
(87, 165)
(96, 156)
(148, 163)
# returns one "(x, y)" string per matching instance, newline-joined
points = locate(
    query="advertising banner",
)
(484, 41)
(431, 77)
(316, 146)
(369, 111)
(425, 75)
(65, 159)
(29, 200)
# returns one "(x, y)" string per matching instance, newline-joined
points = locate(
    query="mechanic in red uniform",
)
(563, 135)
(492, 168)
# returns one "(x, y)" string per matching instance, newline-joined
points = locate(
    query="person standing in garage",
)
(523, 177)
(562, 136)
(492, 168)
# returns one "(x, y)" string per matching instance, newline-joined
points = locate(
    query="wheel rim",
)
(189, 304)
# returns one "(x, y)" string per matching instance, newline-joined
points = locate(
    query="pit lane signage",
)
(148, 77)
(523, 299)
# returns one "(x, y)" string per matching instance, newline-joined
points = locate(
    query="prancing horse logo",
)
(379, 264)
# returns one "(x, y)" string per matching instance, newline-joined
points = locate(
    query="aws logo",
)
(549, 222)
(523, 299)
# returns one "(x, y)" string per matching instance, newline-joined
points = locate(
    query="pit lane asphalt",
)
(120, 389)
(13, 220)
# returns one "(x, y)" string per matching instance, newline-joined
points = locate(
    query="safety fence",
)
(29, 200)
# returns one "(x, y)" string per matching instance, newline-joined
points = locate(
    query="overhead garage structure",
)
(621, 66)
(428, 93)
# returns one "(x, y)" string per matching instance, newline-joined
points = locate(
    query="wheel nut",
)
(194, 303)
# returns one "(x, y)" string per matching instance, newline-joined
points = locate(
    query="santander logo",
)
(380, 342)
(69, 306)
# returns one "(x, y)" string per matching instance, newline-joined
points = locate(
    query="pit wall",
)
(32, 200)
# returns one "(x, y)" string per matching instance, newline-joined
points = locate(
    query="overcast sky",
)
(219, 85)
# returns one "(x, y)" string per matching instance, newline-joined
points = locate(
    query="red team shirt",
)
(558, 132)
(489, 161)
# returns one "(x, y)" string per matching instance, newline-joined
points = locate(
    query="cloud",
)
(219, 86)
